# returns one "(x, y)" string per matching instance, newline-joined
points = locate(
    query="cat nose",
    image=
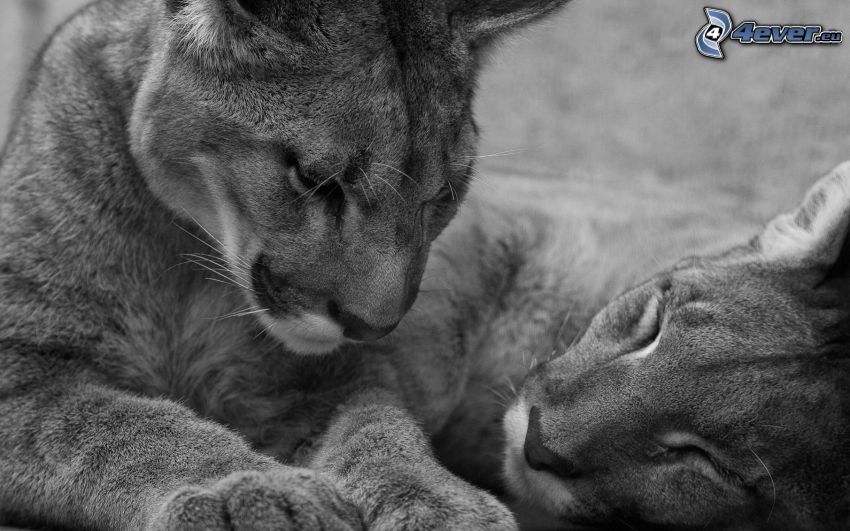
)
(355, 327)
(538, 456)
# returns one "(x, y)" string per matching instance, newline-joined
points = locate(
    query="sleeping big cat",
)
(715, 395)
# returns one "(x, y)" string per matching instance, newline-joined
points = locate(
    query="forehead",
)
(743, 289)
(737, 353)
(727, 327)
(360, 53)
(731, 322)
(401, 79)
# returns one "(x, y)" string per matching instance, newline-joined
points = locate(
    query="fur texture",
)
(302, 159)
(734, 415)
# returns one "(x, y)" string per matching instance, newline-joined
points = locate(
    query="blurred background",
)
(616, 91)
(24, 25)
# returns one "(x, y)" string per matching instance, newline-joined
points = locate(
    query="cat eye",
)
(694, 452)
(328, 190)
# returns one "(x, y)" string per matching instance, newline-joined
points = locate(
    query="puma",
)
(715, 395)
(303, 157)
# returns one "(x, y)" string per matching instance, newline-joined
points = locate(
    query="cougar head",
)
(323, 145)
(716, 395)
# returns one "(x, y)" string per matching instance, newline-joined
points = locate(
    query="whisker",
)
(500, 154)
(396, 170)
(207, 266)
(217, 262)
(240, 313)
(312, 191)
(220, 265)
(468, 181)
(250, 312)
(772, 483)
(452, 188)
(502, 397)
(231, 284)
(511, 385)
(474, 171)
(559, 335)
(175, 266)
(369, 182)
(209, 263)
(224, 249)
(473, 176)
(365, 176)
(223, 277)
(219, 252)
(391, 187)
(195, 236)
(265, 330)
(321, 184)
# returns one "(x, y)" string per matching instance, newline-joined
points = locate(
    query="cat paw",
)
(275, 500)
(448, 504)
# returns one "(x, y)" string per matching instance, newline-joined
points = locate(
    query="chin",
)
(305, 334)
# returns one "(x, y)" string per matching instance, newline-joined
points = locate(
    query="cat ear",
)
(484, 19)
(815, 234)
(227, 34)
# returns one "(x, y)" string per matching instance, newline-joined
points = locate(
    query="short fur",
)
(306, 154)
(713, 396)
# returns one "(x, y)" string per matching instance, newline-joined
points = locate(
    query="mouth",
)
(305, 334)
(301, 331)
(533, 488)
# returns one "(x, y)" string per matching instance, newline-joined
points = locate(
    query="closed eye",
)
(693, 451)
(648, 329)
(643, 352)
(327, 189)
